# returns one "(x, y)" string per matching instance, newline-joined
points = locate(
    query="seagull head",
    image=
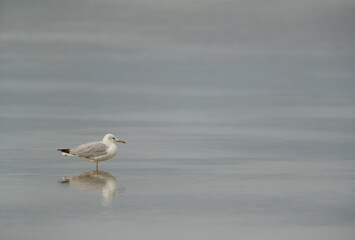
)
(110, 138)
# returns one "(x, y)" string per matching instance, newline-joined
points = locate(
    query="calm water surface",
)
(238, 117)
(251, 172)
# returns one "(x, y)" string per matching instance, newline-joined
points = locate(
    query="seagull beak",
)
(121, 141)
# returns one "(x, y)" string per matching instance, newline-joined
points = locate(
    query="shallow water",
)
(239, 121)
(181, 180)
(252, 169)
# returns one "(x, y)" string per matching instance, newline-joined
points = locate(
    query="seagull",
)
(95, 151)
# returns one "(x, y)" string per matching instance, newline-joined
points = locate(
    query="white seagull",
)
(95, 151)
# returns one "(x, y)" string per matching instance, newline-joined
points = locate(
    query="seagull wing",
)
(90, 150)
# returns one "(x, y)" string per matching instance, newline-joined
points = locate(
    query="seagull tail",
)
(65, 152)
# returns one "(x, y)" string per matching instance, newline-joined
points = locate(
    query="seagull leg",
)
(97, 166)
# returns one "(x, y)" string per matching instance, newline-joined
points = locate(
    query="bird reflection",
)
(97, 181)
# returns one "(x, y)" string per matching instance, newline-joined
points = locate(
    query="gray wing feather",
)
(90, 150)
